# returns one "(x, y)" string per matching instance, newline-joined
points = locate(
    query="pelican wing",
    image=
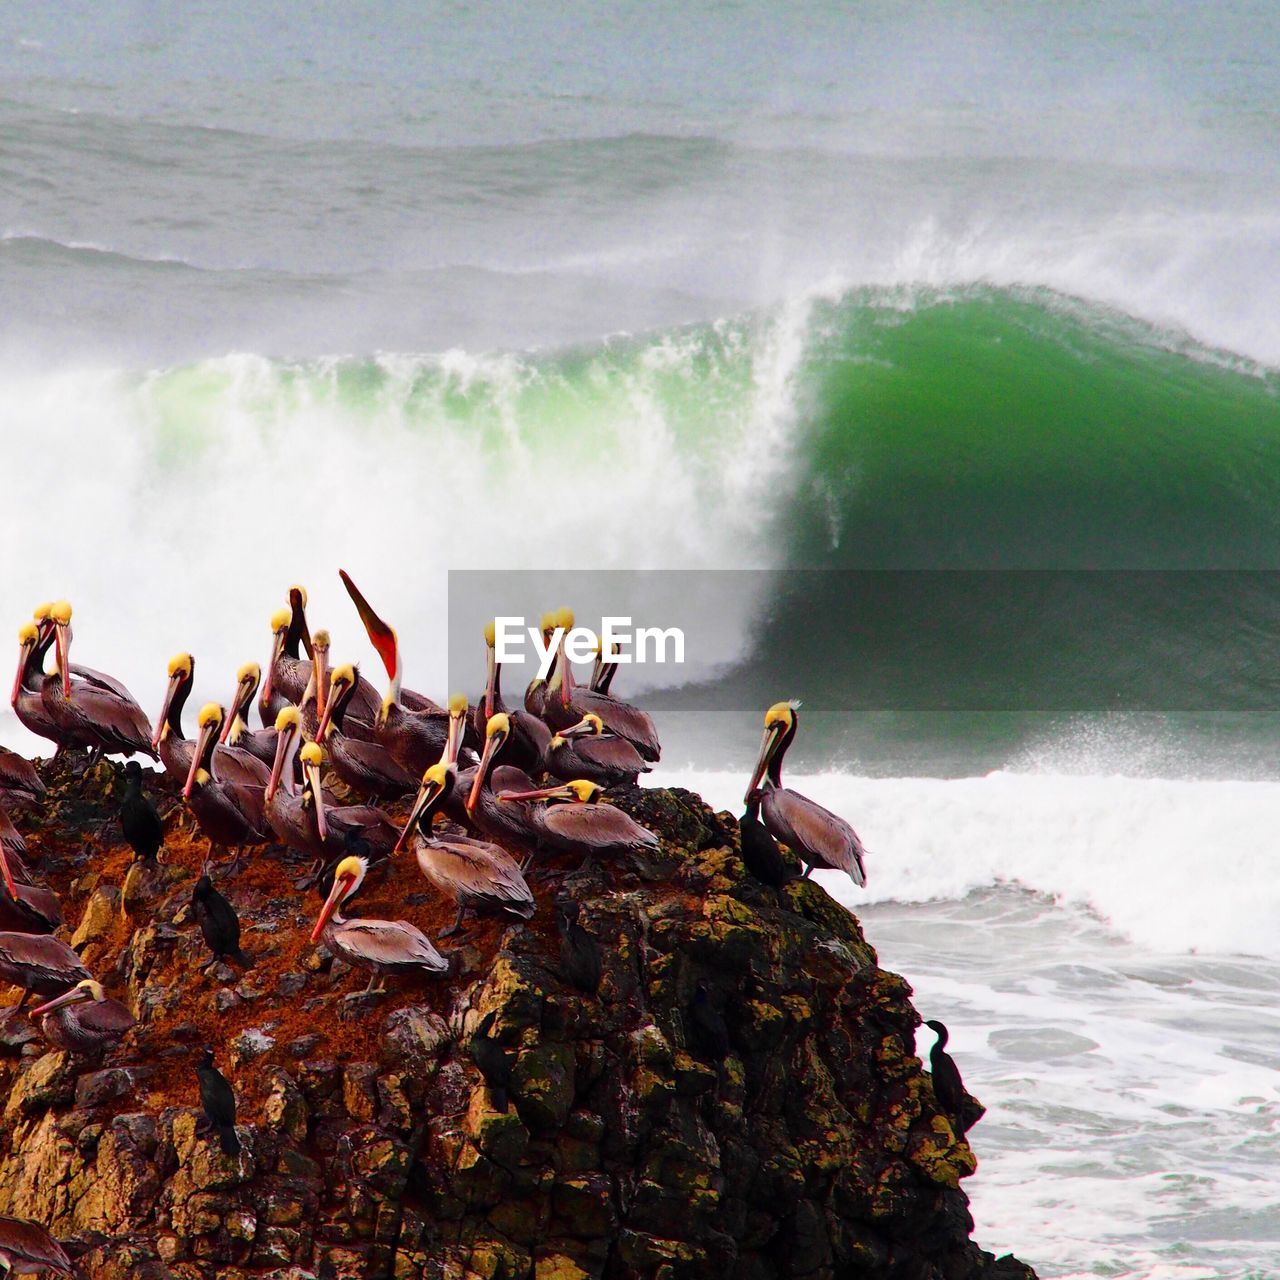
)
(391, 944)
(39, 961)
(600, 825)
(373, 759)
(622, 720)
(467, 868)
(107, 1017)
(17, 773)
(614, 753)
(101, 680)
(29, 1242)
(112, 716)
(819, 836)
(239, 767)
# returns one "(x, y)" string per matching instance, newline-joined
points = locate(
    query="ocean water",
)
(735, 286)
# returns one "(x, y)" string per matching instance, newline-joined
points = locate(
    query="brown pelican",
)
(228, 800)
(300, 816)
(91, 705)
(34, 642)
(478, 876)
(84, 1019)
(39, 964)
(26, 1249)
(365, 766)
(235, 729)
(512, 821)
(565, 704)
(816, 835)
(413, 737)
(20, 784)
(383, 947)
(170, 743)
(530, 737)
(287, 670)
(588, 750)
(583, 825)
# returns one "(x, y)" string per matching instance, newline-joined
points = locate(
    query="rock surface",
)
(371, 1144)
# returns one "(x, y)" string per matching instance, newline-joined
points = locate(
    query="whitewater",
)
(673, 287)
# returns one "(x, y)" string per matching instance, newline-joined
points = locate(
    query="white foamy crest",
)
(1174, 865)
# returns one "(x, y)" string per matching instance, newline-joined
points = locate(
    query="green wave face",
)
(1002, 430)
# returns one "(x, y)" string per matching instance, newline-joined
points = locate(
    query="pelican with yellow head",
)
(818, 837)
(383, 948)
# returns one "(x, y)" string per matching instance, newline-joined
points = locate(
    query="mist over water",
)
(731, 286)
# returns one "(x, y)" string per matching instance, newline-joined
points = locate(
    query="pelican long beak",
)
(283, 738)
(491, 745)
(320, 663)
(24, 654)
(336, 693)
(268, 681)
(453, 742)
(317, 795)
(204, 741)
(341, 887)
(426, 796)
(74, 996)
(62, 654)
(768, 745)
(490, 679)
(171, 692)
(8, 874)
(239, 707)
(543, 793)
(583, 729)
(381, 636)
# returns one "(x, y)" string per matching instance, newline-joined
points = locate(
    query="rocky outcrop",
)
(372, 1147)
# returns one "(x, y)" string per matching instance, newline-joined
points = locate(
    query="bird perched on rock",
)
(705, 1026)
(219, 1104)
(760, 852)
(948, 1087)
(83, 1020)
(26, 1249)
(218, 923)
(138, 817)
(491, 1060)
(20, 784)
(579, 955)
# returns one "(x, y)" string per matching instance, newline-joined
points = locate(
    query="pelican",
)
(170, 743)
(235, 729)
(588, 750)
(817, 836)
(83, 1020)
(26, 1249)
(583, 825)
(298, 814)
(34, 642)
(20, 784)
(91, 705)
(413, 737)
(287, 670)
(230, 809)
(565, 704)
(478, 876)
(40, 965)
(365, 766)
(506, 821)
(530, 737)
(383, 947)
